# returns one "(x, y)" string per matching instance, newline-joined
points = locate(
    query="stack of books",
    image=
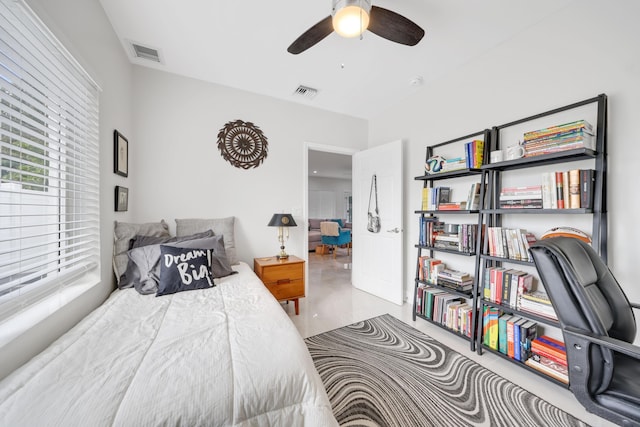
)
(529, 197)
(537, 302)
(549, 355)
(429, 228)
(571, 189)
(510, 243)
(433, 197)
(515, 335)
(450, 165)
(474, 152)
(506, 286)
(473, 199)
(568, 136)
(428, 269)
(456, 280)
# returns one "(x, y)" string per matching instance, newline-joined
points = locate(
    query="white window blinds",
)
(49, 162)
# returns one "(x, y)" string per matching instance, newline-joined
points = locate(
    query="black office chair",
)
(598, 325)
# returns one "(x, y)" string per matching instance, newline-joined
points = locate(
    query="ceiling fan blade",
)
(394, 27)
(312, 36)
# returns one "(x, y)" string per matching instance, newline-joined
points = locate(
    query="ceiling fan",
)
(350, 18)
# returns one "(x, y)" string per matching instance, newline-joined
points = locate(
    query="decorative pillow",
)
(145, 260)
(131, 276)
(220, 226)
(123, 232)
(184, 269)
(220, 266)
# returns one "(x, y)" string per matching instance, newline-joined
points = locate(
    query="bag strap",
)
(374, 189)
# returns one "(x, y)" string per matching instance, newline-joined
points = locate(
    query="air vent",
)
(145, 52)
(305, 92)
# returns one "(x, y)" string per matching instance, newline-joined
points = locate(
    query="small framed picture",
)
(120, 154)
(122, 199)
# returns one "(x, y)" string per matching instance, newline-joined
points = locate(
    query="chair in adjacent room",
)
(335, 236)
(598, 325)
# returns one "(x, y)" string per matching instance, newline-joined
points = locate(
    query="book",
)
(587, 180)
(548, 370)
(494, 313)
(574, 189)
(510, 336)
(502, 332)
(528, 332)
(565, 189)
(559, 190)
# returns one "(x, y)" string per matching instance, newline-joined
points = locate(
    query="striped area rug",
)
(382, 372)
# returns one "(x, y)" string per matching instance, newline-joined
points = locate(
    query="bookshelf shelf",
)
(528, 315)
(491, 215)
(502, 259)
(524, 366)
(530, 211)
(543, 159)
(448, 175)
(426, 216)
(440, 325)
(448, 211)
(449, 251)
(467, 295)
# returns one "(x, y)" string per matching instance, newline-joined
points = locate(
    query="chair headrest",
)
(575, 254)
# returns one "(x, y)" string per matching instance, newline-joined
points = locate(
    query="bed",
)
(225, 355)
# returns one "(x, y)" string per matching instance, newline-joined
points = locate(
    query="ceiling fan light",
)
(351, 19)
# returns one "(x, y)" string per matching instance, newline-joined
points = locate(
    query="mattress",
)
(227, 355)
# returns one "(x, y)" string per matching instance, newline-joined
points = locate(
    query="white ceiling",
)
(243, 44)
(329, 165)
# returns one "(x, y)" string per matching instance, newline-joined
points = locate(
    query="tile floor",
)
(331, 302)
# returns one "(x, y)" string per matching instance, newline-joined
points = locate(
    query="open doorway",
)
(327, 196)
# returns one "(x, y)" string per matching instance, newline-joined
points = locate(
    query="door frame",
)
(305, 186)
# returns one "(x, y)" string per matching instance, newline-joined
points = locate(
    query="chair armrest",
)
(634, 305)
(585, 337)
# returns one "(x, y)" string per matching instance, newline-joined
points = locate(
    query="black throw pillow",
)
(184, 269)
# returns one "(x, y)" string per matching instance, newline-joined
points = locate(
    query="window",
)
(49, 162)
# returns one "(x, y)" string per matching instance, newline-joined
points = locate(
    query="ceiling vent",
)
(145, 52)
(305, 92)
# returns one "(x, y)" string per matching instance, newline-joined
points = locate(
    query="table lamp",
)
(283, 222)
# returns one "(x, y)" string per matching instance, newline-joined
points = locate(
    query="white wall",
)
(590, 47)
(83, 28)
(336, 189)
(178, 171)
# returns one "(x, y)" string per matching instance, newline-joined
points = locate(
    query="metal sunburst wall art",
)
(242, 144)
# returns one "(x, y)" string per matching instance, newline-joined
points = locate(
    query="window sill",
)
(26, 319)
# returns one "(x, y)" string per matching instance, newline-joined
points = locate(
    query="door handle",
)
(394, 230)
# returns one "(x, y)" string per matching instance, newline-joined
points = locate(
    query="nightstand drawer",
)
(274, 273)
(286, 289)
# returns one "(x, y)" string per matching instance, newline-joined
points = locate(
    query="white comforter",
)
(217, 357)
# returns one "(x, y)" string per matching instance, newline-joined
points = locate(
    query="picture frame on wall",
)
(121, 199)
(120, 154)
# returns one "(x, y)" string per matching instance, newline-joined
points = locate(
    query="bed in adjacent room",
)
(221, 355)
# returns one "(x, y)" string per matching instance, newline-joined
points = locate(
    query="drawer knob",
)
(283, 281)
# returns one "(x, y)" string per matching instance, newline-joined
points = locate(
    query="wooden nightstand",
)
(284, 278)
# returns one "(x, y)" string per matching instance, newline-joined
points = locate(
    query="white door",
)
(378, 261)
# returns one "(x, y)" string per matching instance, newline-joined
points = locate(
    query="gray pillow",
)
(220, 266)
(131, 276)
(146, 260)
(123, 232)
(220, 226)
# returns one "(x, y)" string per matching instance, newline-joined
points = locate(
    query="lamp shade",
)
(282, 220)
